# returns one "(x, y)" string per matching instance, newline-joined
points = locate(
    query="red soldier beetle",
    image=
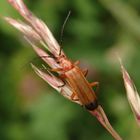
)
(75, 78)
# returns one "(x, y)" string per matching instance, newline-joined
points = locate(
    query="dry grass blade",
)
(24, 28)
(44, 55)
(132, 94)
(102, 118)
(39, 26)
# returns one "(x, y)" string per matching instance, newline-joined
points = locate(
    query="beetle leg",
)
(51, 70)
(62, 84)
(95, 84)
(62, 76)
(76, 62)
(73, 97)
(85, 72)
(50, 55)
(57, 69)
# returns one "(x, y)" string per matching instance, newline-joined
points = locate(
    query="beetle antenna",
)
(62, 30)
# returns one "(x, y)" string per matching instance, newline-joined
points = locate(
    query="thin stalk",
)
(102, 118)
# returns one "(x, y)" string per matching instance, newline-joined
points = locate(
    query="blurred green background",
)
(94, 33)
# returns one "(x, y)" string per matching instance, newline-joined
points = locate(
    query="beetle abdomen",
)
(93, 105)
(81, 87)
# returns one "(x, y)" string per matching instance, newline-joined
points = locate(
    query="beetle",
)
(75, 78)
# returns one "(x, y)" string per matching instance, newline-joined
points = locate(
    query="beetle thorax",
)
(65, 63)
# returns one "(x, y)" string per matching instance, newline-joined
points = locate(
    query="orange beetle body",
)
(75, 78)
(82, 88)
